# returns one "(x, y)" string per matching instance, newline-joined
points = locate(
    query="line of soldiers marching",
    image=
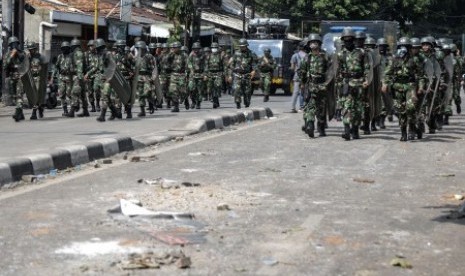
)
(100, 80)
(362, 85)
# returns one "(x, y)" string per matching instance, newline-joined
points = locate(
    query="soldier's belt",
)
(353, 75)
(241, 76)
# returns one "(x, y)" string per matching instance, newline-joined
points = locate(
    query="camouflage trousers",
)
(242, 87)
(266, 82)
(107, 94)
(315, 103)
(215, 84)
(196, 88)
(15, 88)
(39, 102)
(177, 88)
(164, 85)
(405, 103)
(93, 92)
(455, 97)
(65, 87)
(352, 106)
(206, 92)
(144, 90)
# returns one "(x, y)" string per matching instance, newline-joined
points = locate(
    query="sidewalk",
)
(55, 142)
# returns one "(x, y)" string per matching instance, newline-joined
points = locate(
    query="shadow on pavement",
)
(449, 214)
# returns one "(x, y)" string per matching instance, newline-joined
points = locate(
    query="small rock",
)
(135, 159)
(401, 262)
(140, 180)
(183, 262)
(97, 165)
(29, 178)
(190, 184)
(107, 161)
(179, 139)
(125, 157)
(223, 207)
(364, 180)
(458, 197)
(270, 261)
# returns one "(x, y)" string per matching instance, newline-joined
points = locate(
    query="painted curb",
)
(69, 156)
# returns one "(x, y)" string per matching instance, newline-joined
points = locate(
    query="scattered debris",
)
(270, 261)
(400, 261)
(364, 180)
(97, 165)
(271, 170)
(107, 161)
(125, 157)
(29, 178)
(189, 170)
(53, 172)
(223, 207)
(133, 208)
(178, 139)
(197, 154)
(137, 158)
(458, 197)
(189, 184)
(446, 175)
(150, 260)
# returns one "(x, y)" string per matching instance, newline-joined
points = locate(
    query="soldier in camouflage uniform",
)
(12, 61)
(226, 56)
(177, 89)
(63, 70)
(36, 62)
(165, 60)
(360, 38)
(313, 76)
(457, 78)
(78, 93)
(124, 63)
(242, 65)
(370, 45)
(421, 78)
(206, 92)
(196, 74)
(93, 93)
(266, 66)
(386, 109)
(401, 76)
(352, 77)
(214, 71)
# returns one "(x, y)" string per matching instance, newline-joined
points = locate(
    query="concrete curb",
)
(69, 156)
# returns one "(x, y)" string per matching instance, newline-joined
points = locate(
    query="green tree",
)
(181, 12)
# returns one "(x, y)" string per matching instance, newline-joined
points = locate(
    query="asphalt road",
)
(297, 206)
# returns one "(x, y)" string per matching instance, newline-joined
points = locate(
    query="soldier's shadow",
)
(449, 214)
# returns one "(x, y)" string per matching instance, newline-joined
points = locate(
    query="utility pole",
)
(243, 17)
(96, 20)
(18, 24)
(6, 33)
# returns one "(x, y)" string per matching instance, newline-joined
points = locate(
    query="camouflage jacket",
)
(243, 62)
(353, 65)
(458, 67)
(179, 63)
(313, 68)
(124, 63)
(195, 64)
(165, 63)
(146, 64)
(12, 64)
(214, 63)
(266, 64)
(89, 59)
(79, 62)
(36, 63)
(64, 65)
(404, 70)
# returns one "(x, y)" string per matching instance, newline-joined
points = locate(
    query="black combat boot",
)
(216, 102)
(113, 113)
(160, 104)
(128, 110)
(65, 110)
(17, 115)
(193, 104)
(101, 118)
(197, 106)
(412, 131)
(373, 124)
(446, 120)
(92, 104)
(390, 118)
(151, 107)
(459, 109)
(41, 111)
(346, 133)
(142, 112)
(355, 133)
(186, 104)
(310, 129)
(420, 131)
(238, 105)
(175, 107)
(321, 129)
(85, 112)
(403, 136)
(34, 114)
(337, 115)
(266, 98)
(439, 121)
(98, 105)
(119, 113)
(168, 104)
(71, 112)
(382, 118)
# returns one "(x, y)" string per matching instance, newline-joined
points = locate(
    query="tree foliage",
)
(181, 12)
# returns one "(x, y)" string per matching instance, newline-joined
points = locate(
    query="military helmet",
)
(314, 37)
(437, 43)
(381, 42)
(196, 45)
(415, 41)
(120, 42)
(427, 40)
(176, 44)
(152, 46)
(65, 44)
(404, 41)
(453, 47)
(214, 45)
(75, 42)
(100, 43)
(91, 43)
(12, 39)
(140, 44)
(165, 46)
(207, 50)
(347, 32)
(158, 45)
(446, 46)
(243, 42)
(370, 41)
(360, 35)
(31, 45)
(184, 48)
